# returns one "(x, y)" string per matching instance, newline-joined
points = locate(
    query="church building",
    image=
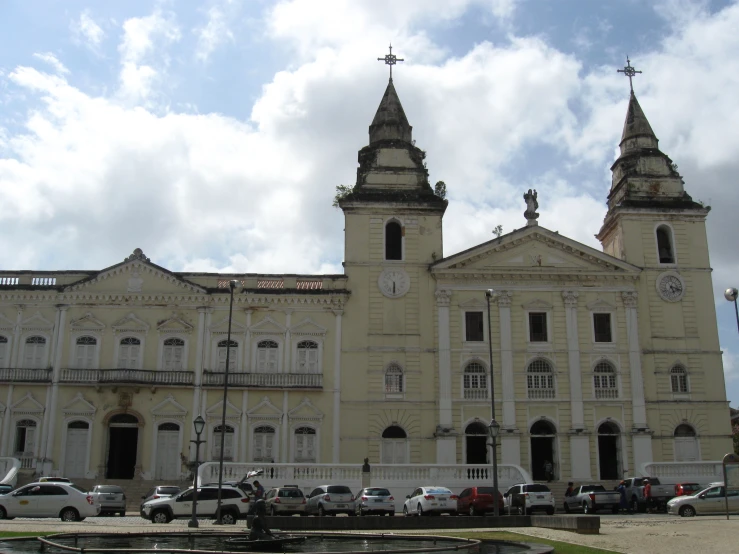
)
(601, 361)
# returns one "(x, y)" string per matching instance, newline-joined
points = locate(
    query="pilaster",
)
(510, 444)
(573, 357)
(504, 299)
(16, 336)
(446, 440)
(580, 457)
(336, 442)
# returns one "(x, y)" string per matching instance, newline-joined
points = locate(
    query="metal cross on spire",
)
(629, 72)
(390, 59)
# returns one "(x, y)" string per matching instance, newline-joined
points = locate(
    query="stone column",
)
(336, 443)
(446, 442)
(285, 427)
(642, 437)
(16, 337)
(197, 376)
(510, 439)
(6, 441)
(48, 445)
(288, 340)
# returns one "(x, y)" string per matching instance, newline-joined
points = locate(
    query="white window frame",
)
(215, 442)
(73, 349)
(215, 353)
(685, 373)
(547, 344)
(255, 354)
(552, 372)
(294, 443)
(142, 345)
(612, 315)
(275, 442)
(36, 439)
(657, 225)
(44, 360)
(616, 377)
(395, 394)
(296, 357)
(485, 375)
(5, 350)
(162, 348)
(402, 239)
(479, 310)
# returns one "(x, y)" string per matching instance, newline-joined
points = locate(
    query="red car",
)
(475, 501)
(687, 489)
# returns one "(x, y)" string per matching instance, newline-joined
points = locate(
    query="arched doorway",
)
(123, 439)
(394, 445)
(476, 438)
(168, 451)
(543, 450)
(75, 453)
(609, 450)
(686, 444)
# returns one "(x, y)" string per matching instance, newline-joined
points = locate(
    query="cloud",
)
(731, 366)
(213, 34)
(85, 31)
(53, 61)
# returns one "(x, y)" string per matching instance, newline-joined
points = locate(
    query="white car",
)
(234, 505)
(426, 500)
(50, 499)
(708, 501)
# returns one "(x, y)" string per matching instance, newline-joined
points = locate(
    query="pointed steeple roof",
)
(390, 122)
(636, 124)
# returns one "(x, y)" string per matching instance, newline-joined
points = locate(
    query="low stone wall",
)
(588, 525)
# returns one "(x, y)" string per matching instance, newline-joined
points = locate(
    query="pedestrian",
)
(648, 495)
(623, 503)
(258, 491)
(548, 470)
(570, 489)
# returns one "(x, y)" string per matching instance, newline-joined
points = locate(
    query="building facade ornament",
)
(570, 298)
(531, 206)
(138, 254)
(443, 297)
(630, 298)
(504, 298)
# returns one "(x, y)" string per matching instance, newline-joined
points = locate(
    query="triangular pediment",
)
(135, 275)
(174, 324)
(130, 323)
(36, 321)
(265, 410)
(533, 251)
(472, 303)
(221, 326)
(305, 411)
(79, 406)
(87, 322)
(27, 405)
(169, 408)
(6, 323)
(267, 326)
(537, 304)
(215, 412)
(600, 304)
(308, 327)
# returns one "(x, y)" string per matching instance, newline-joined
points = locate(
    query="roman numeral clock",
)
(394, 282)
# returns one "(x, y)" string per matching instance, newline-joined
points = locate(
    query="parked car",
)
(5, 488)
(687, 489)
(475, 501)
(53, 480)
(234, 505)
(374, 500)
(112, 499)
(428, 500)
(287, 500)
(661, 494)
(526, 498)
(160, 491)
(708, 501)
(591, 498)
(63, 500)
(330, 500)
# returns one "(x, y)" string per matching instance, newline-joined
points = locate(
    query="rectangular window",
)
(473, 326)
(602, 327)
(538, 327)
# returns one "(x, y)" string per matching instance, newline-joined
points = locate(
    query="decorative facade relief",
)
(443, 297)
(630, 299)
(570, 298)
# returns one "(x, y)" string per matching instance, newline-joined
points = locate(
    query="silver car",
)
(708, 501)
(287, 500)
(112, 499)
(331, 500)
(374, 500)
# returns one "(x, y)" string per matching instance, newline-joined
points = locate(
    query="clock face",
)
(394, 283)
(670, 287)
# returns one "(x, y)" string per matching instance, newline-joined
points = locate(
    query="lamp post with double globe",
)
(199, 424)
(493, 426)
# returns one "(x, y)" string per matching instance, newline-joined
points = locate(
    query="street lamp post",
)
(494, 426)
(199, 424)
(731, 295)
(231, 285)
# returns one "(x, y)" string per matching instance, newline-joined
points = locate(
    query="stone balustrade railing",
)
(266, 380)
(675, 472)
(142, 376)
(19, 375)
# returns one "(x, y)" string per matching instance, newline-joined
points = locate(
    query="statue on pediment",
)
(531, 206)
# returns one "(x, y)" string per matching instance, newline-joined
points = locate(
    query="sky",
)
(212, 134)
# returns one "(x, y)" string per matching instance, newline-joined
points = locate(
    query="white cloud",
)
(53, 61)
(731, 366)
(87, 32)
(213, 34)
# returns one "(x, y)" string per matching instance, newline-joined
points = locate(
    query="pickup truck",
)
(591, 498)
(661, 494)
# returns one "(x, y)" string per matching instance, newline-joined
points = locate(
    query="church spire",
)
(390, 122)
(636, 126)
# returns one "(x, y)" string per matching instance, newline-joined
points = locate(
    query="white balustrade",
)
(675, 472)
(126, 376)
(267, 380)
(25, 374)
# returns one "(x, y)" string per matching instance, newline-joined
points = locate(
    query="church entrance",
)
(476, 447)
(543, 451)
(609, 451)
(123, 438)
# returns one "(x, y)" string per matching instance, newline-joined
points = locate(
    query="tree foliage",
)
(341, 192)
(440, 189)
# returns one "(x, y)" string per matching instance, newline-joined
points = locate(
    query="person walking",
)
(623, 503)
(570, 488)
(648, 495)
(548, 470)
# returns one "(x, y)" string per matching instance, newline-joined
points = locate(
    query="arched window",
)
(475, 382)
(264, 445)
(4, 351)
(393, 241)
(25, 438)
(129, 353)
(540, 379)
(34, 353)
(308, 357)
(679, 379)
(267, 354)
(228, 445)
(78, 425)
(125, 419)
(174, 353)
(665, 247)
(393, 379)
(394, 445)
(305, 445)
(227, 347)
(84, 352)
(604, 381)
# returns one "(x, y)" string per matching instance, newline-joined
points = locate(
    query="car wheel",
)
(69, 514)
(614, 509)
(550, 511)
(273, 511)
(586, 509)
(687, 511)
(473, 512)
(419, 510)
(3, 513)
(160, 516)
(566, 507)
(391, 514)
(228, 518)
(351, 514)
(405, 510)
(122, 513)
(321, 511)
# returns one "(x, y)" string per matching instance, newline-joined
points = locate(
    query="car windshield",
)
(438, 490)
(167, 490)
(75, 487)
(108, 489)
(377, 492)
(290, 493)
(485, 490)
(536, 488)
(338, 489)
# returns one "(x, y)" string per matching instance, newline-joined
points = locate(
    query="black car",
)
(160, 491)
